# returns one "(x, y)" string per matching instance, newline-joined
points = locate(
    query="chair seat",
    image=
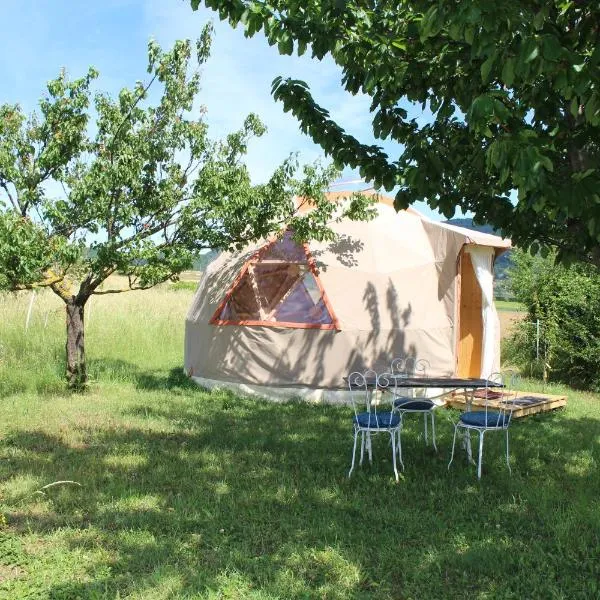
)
(382, 420)
(480, 418)
(403, 403)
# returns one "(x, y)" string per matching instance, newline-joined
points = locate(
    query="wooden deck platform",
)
(527, 403)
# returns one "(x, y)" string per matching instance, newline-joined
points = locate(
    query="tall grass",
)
(124, 333)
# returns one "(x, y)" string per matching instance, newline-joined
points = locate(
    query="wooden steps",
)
(527, 403)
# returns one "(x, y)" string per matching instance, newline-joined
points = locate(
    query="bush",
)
(566, 300)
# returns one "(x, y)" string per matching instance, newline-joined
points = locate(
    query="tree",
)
(514, 91)
(566, 303)
(142, 195)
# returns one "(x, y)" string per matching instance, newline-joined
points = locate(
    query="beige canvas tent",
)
(281, 319)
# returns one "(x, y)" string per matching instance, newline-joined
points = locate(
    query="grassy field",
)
(180, 493)
(509, 305)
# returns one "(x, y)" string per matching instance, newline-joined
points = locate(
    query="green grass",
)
(188, 494)
(187, 286)
(509, 305)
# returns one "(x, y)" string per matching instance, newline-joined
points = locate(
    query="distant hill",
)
(468, 224)
(202, 260)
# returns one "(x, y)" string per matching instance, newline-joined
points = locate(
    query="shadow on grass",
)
(215, 493)
(171, 380)
(175, 380)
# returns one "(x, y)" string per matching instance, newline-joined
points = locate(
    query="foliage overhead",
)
(514, 91)
(566, 302)
(146, 192)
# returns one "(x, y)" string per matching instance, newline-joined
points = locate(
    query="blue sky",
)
(41, 36)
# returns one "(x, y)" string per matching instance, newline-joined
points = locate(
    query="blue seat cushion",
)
(479, 418)
(381, 420)
(404, 403)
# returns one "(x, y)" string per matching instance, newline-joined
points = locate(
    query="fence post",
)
(537, 339)
(29, 310)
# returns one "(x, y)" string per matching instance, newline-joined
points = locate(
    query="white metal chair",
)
(405, 399)
(369, 418)
(496, 417)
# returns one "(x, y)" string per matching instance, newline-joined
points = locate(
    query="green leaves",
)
(529, 50)
(148, 191)
(285, 44)
(551, 48)
(203, 44)
(486, 68)
(540, 17)
(28, 257)
(508, 72)
(431, 23)
(486, 110)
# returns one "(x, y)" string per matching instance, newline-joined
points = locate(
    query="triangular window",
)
(278, 287)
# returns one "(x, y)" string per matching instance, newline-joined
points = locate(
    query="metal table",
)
(448, 383)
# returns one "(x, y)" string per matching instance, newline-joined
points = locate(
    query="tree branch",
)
(91, 282)
(14, 201)
(63, 290)
(127, 289)
(126, 117)
(50, 281)
(146, 232)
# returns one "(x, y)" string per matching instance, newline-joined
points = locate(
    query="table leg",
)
(467, 438)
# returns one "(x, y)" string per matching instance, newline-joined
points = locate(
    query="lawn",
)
(180, 493)
(509, 305)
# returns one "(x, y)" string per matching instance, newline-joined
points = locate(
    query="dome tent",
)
(282, 319)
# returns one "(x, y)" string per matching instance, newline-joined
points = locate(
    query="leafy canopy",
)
(146, 192)
(512, 85)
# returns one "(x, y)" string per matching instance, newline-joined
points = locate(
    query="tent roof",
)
(471, 236)
(474, 237)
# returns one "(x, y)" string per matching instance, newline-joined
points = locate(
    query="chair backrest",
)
(361, 390)
(512, 381)
(503, 406)
(409, 366)
(364, 388)
(385, 381)
(397, 366)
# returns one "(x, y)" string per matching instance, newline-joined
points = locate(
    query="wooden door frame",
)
(459, 294)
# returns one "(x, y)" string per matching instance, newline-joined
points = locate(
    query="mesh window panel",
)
(274, 282)
(279, 288)
(301, 307)
(242, 304)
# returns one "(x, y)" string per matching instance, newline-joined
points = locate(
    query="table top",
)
(435, 382)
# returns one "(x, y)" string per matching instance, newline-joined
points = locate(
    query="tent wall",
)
(305, 357)
(393, 285)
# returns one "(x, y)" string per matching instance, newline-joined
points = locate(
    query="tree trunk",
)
(76, 375)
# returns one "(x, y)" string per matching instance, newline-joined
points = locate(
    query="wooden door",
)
(470, 321)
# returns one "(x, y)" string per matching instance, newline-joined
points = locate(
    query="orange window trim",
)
(284, 324)
(255, 259)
